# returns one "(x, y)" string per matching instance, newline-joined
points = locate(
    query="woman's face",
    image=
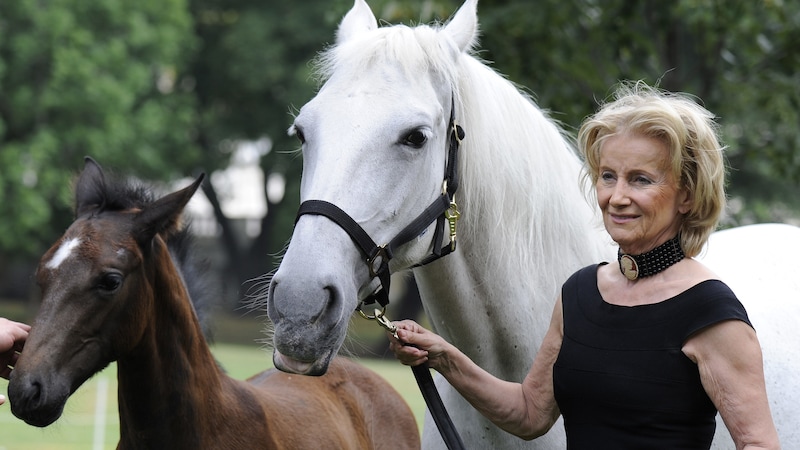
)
(639, 197)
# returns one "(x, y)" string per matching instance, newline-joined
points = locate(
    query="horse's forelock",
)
(126, 194)
(420, 49)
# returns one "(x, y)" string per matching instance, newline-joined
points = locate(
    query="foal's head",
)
(97, 291)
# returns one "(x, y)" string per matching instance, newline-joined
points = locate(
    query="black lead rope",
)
(430, 394)
(428, 389)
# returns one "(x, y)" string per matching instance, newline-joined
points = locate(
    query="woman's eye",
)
(415, 139)
(109, 282)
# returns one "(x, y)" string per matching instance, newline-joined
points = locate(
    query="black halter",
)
(378, 256)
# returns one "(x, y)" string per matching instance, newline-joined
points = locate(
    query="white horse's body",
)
(375, 145)
(759, 262)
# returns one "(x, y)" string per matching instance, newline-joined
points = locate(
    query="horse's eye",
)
(109, 282)
(300, 136)
(415, 139)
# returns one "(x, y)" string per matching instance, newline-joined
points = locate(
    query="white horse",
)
(375, 143)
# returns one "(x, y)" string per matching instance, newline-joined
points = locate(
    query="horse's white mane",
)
(540, 187)
(538, 184)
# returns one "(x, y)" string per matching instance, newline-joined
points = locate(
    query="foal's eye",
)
(415, 138)
(109, 282)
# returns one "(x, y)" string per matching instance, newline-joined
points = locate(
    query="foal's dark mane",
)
(125, 193)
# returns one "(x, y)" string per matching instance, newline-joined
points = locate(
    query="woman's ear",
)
(685, 201)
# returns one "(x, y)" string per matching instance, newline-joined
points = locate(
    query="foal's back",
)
(350, 407)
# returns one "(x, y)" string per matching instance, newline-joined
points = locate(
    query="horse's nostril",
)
(330, 305)
(35, 393)
(273, 311)
(29, 393)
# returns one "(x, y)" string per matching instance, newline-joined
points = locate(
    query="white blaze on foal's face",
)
(63, 253)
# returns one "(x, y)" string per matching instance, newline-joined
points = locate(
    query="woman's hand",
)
(417, 345)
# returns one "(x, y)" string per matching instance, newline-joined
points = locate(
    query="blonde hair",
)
(689, 132)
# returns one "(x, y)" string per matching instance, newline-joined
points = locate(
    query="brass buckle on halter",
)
(452, 215)
(379, 258)
(458, 132)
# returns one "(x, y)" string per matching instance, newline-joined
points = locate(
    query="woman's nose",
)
(619, 195)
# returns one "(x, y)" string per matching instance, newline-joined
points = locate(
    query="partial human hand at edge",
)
(12, 340)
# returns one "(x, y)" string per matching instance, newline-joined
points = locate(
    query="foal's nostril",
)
(35, 392)
(28, 393)
(25, 395)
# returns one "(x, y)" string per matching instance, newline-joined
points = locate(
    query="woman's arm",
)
(728, 356)
(526, 409)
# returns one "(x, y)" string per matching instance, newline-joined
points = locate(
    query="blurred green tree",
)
(161, 88)
(250, 72)
(739, 57)
(81, 77)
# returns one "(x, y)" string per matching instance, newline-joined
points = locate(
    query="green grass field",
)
(77, 429)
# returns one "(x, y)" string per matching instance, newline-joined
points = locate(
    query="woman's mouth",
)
(622, 218)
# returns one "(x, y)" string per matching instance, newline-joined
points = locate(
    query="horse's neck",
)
(496, 312)
(524, 229)
(496, 323)
(170, 383)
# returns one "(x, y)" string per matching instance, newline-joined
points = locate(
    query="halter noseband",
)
(378, 256)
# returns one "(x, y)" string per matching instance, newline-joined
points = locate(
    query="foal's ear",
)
(358, 20)
(163, 214)
(463, 26)
(90, 191)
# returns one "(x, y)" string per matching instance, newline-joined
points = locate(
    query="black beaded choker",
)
(652, 262)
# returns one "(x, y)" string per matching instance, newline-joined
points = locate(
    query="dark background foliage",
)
(164, 89)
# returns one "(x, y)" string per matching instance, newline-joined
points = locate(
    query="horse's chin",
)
(40, 418)
(290, 365)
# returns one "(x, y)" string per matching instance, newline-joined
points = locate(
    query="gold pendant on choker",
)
(629, 267)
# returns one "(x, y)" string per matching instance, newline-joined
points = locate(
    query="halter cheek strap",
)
(378, 256)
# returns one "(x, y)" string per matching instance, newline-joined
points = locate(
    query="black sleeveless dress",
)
(621, 380)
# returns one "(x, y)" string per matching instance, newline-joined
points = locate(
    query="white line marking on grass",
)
(100, 414)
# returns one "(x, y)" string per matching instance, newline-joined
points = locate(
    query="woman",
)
(642, 353)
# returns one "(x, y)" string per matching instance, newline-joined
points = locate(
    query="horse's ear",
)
(90, 191)
(163, 214)
(358, 20)
(463, 26)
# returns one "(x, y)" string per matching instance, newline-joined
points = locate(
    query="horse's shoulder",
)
(262, 377)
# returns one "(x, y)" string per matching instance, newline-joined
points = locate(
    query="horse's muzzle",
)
(36, 401)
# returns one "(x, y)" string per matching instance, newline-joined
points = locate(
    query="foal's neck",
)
(170, 383)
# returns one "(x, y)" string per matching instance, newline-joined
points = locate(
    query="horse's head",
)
(374, 144)
(95, 293)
